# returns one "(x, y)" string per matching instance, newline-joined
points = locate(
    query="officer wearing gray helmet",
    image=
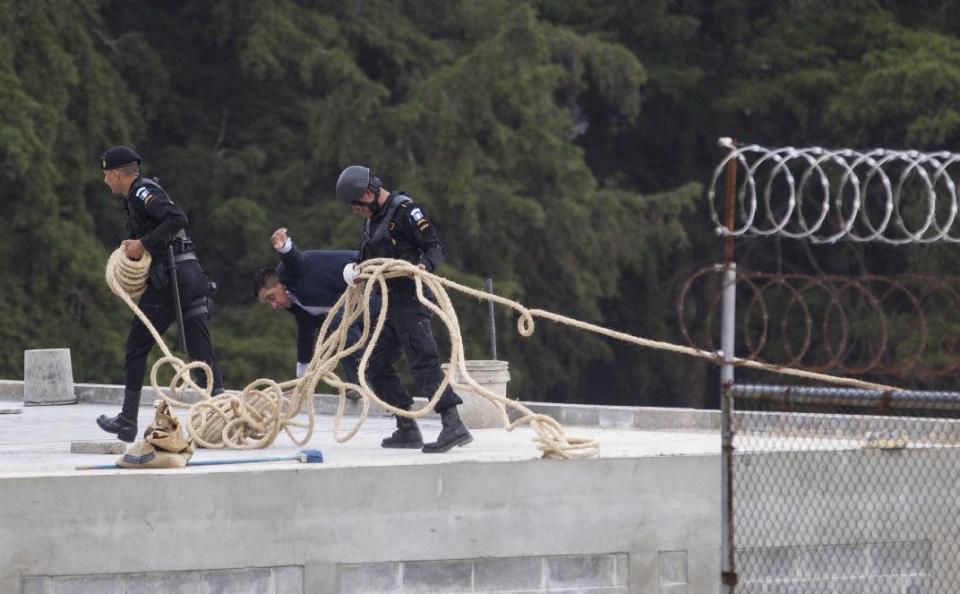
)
(396, 227)
(153, 223)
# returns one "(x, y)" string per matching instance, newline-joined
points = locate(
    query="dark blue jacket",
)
(315, 278)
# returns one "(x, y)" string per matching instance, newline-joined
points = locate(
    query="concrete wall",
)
(274, 580)
(608, 574)
(849, 520)
(635, 525)
(621, 417)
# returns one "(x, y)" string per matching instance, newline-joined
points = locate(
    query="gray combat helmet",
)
(352, 183)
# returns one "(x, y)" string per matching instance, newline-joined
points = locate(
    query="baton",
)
(182, 338)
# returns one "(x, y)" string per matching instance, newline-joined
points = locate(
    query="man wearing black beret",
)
(154, 222)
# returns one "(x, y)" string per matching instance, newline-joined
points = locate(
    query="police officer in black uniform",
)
(153, 223)
(396, 227)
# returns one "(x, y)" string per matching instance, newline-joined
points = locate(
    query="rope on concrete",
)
(254, 417)
(355, 304)
(251, 419)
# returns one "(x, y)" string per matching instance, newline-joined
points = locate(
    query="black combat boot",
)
(125, 429)
(454, 433)
(407, 435)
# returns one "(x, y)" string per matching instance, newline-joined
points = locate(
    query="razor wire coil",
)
(849, 325)
(825, 195)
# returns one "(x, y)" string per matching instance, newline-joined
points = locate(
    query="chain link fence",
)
(845, 491)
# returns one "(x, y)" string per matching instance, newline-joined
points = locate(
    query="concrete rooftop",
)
(488, 517)
(37, 442)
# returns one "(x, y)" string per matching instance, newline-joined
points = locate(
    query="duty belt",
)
(184, 256)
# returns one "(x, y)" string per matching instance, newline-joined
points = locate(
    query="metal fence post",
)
(727, 325)
(493, 322)
(728, 572)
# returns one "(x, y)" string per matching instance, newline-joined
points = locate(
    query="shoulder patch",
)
(416, 214)
(142, 193)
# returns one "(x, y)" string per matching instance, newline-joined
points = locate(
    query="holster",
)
(201, 305)
(211, 291)
(159, 276)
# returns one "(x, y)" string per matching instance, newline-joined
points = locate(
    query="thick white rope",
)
(254, 417)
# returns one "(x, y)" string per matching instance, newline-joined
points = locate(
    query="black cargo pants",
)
(158, 305)
(407, 331)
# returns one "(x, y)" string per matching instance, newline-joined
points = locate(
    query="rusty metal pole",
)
(728, 575)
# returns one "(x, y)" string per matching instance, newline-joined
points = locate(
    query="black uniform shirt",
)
(409, 234)
(152, 217)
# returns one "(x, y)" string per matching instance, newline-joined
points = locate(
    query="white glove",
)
(350, 273)
(301, 369)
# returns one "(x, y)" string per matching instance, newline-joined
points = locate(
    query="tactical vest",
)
(377, 242)
(139, 222)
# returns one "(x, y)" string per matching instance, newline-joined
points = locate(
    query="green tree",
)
(59, 100)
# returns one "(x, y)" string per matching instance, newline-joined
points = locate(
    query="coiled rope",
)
(249, 420)
(254, 417)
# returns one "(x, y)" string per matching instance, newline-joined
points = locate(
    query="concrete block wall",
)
(277, 580)
(584, 415)
(673, 574)
(592, 526)
(882, 567)
(863, 520)
(594, 574)
(833, 426)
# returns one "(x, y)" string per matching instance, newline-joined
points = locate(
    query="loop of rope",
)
(550, 438)
(254, 417)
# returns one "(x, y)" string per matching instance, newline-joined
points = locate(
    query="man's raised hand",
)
(279, 238)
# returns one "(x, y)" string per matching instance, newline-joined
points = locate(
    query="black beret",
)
(118, 156)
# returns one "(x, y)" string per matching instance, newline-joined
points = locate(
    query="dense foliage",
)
(559, 146)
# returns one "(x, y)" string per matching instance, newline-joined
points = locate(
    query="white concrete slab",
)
(38, 442)
(650, 491)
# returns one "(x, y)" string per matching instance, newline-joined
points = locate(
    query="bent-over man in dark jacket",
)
(307, 284)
